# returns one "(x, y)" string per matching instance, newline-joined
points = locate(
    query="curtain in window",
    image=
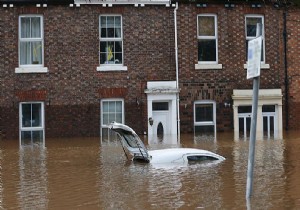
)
(30, 41)
(111, 48)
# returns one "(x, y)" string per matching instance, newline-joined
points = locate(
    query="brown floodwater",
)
(85, 173)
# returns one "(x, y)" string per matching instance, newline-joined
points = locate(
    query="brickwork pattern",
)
(71, 49)
(218, 84)
(293, 63)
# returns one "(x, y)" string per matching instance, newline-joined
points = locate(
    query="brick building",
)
(68, 68)
(58, 79)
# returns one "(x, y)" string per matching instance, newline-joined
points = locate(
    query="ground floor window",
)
(32, 130)
(269, 114)
(112, 110)
(244, 114)
(205, 119)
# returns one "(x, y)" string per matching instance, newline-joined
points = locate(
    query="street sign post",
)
(254, 57)
(253, 71)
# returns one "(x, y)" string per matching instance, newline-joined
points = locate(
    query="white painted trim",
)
(31, 70)
(111, 68)
(266, 97)
(208, 66)
(262, 66)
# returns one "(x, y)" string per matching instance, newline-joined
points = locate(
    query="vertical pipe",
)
(177, 73)
(286, 80)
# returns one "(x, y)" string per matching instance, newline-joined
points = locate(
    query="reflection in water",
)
(1, 181)
(33, 177)
(84, 174)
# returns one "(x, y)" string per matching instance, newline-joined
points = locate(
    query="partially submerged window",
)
(269, 119)
(32, 123)
(205, 119)
(199, 158)
(244, 116)
(112, 110)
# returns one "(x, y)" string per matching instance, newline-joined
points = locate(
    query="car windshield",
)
(131, 141)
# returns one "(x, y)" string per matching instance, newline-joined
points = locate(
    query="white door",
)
(161, 123)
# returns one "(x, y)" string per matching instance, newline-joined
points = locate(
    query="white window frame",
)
(31, 68)
(206, 123)
(111, 66)
(248, 38)
(102, 125)
(36, 128)
(208, 64)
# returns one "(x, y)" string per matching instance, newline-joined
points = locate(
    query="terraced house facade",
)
(69, 68)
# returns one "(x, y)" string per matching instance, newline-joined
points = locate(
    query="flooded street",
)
(87, 174)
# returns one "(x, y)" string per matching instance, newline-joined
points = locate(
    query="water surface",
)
(83, 173)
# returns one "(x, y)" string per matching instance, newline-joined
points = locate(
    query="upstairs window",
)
(251, 30)
(207, 39)
(111, 40)
(31, 42)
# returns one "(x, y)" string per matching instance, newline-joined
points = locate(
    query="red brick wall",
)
(218, 85)
(293, 63)
(71, 55)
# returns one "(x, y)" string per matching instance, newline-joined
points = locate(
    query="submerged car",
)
(135, 149)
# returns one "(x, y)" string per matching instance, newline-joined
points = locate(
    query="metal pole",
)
(251, 159)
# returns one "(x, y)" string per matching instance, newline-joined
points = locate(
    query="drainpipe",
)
(286, 80)
(177, 77)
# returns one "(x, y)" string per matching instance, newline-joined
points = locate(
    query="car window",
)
(196, 158)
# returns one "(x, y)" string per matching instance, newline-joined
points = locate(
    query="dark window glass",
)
(160, 106)
(206, 50)
(204, 112)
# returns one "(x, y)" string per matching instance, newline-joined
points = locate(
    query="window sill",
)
(112, 68)
(262, 66)
(208, 66)
(31, 70)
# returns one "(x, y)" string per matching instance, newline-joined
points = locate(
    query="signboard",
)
(254, 57)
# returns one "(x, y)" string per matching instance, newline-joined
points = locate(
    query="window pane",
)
(105, 119)
(204, 112)
(118, 47)
(111, 106)
(206, 26)
(35, 27)
(118, 59)
(118, 117)
(207, 50)
(25, 137)
(110, 27)
(26, 115)
(37, 52)
(103, 27)
(251, 23)
(25, 27)
(118, 106)
(160, 106)
(37, 137)
(25, 53)
(105, 106)
(268, 108)
(244, 109)
(36, 115)
(111, 117)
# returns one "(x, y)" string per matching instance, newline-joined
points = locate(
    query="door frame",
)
(162, 91)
